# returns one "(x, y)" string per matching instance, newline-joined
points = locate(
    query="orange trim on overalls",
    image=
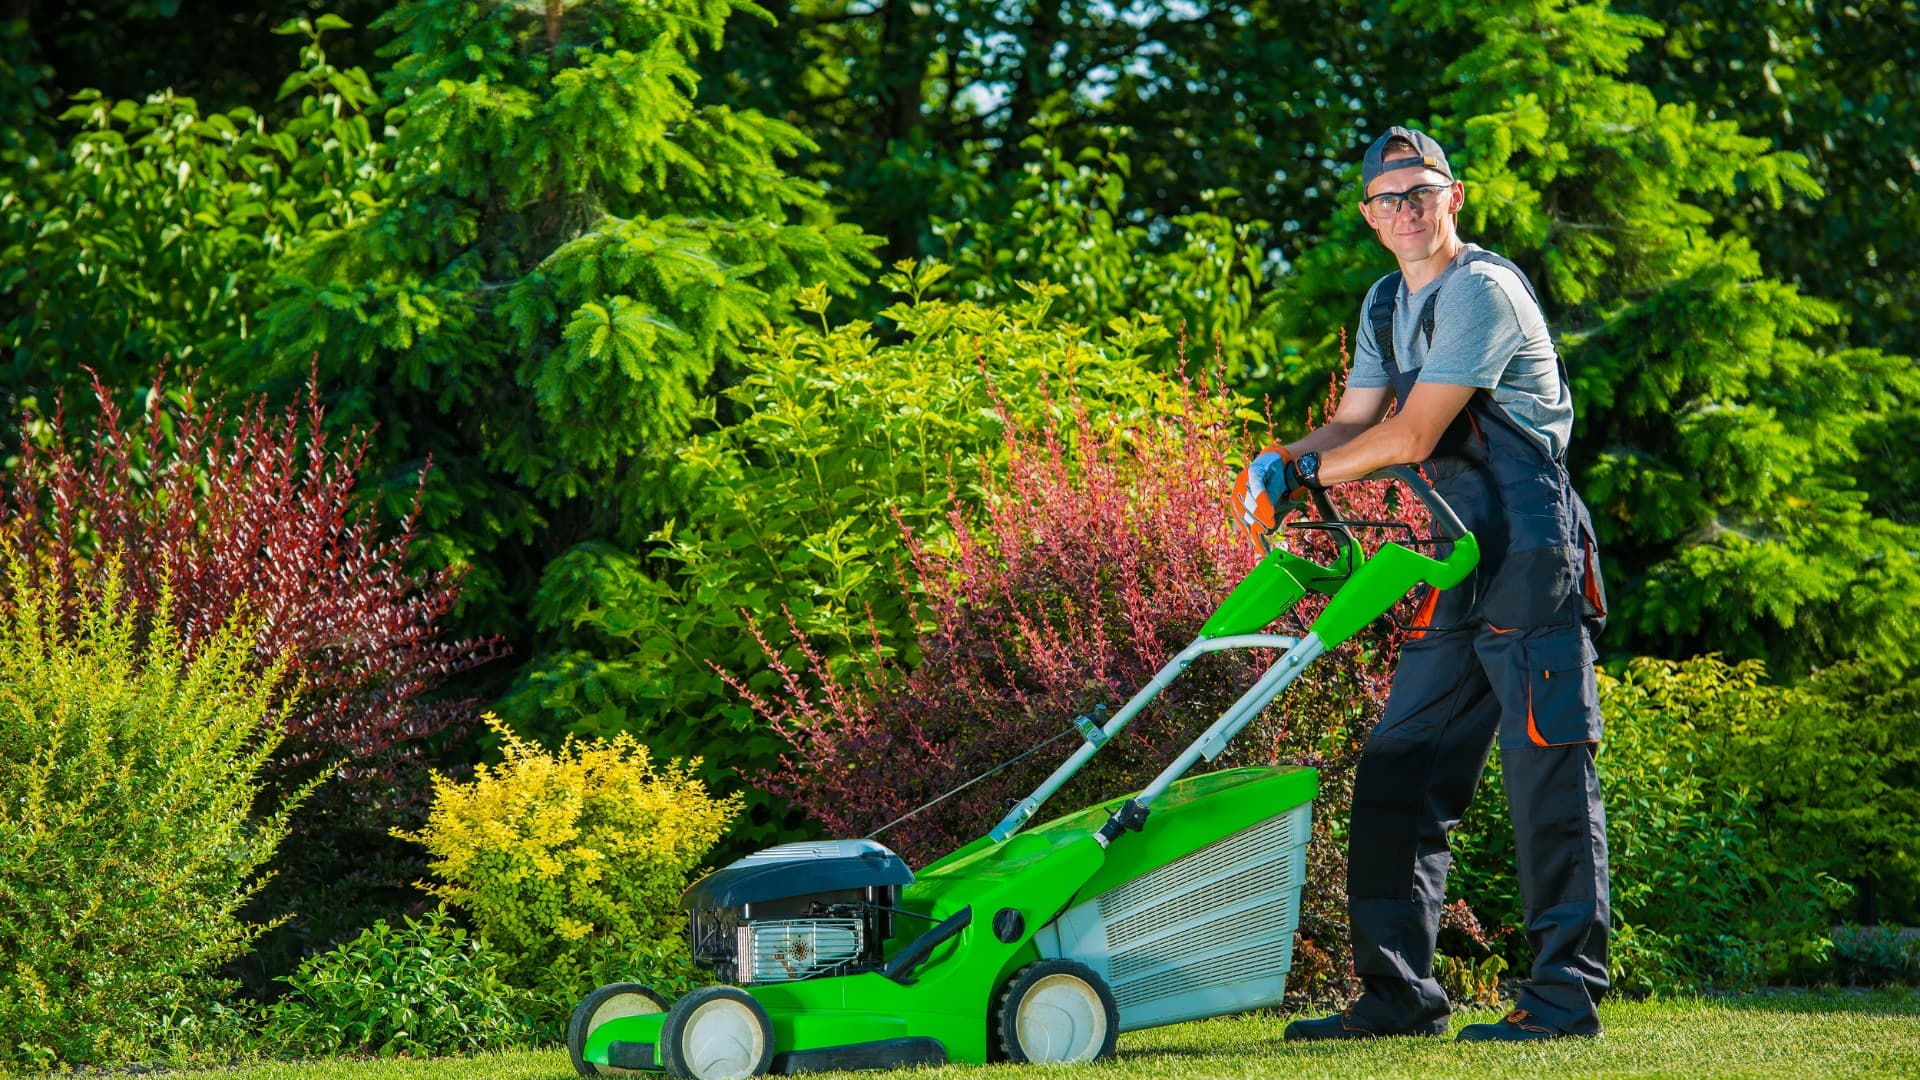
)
(1592, 585)
(1423, 618)
(1532, 731)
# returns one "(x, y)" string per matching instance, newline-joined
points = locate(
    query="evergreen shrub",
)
(571, 863)
(1099, 553)
(128, 774)
(425, 987)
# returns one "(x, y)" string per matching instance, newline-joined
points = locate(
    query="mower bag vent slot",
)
(1261, 961)
(1258, 881)
(1246, 924)
(1207, 934)
(1259, 843)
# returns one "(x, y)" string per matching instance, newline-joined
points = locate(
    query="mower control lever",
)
(1131, 815)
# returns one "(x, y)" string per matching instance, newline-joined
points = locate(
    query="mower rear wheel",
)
(1056, 1011)
(610, 1002)
(717, 1033)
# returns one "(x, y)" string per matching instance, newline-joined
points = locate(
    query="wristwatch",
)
(1307, 465)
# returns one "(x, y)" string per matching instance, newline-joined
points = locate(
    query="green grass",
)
(1799, 1034)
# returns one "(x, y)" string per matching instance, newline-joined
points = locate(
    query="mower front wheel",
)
(1057, 1011)
(610, 1002)
(717, 1033)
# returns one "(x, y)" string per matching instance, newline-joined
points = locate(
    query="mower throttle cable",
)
(938, 799)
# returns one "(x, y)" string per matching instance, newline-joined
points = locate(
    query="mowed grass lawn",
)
(1797, 1034)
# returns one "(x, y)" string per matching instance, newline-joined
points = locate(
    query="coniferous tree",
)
(1718, 405)
(566, 255)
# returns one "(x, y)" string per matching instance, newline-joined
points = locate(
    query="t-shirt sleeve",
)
(1368, 370)
(1476, 333)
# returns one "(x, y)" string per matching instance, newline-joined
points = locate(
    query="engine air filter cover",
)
(798, 870)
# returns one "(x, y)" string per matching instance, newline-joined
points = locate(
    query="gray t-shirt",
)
(1488, 333)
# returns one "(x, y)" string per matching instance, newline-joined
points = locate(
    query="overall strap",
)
(1426, 325)
(1380, 316)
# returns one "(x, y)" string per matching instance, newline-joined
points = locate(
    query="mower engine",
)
(797, 911)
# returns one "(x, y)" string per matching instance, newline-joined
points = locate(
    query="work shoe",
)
(1342, 1025)
(1517, 1026)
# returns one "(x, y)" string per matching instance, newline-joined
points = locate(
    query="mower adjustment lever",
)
(900, 968)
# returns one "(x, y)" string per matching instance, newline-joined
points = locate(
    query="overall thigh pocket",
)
(1551, 698)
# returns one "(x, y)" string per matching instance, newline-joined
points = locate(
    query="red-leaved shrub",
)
(1098, 556)
(256, 509)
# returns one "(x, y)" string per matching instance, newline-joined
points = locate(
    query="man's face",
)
(1418, 225)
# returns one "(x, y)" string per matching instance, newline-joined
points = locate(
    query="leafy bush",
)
(1704, 892)
(1834, 768)
(841, 435)
(149, 233)
(1100, 553)
(1877, 954)
(127, 773)
(571, 864)
(425, 987)
(258, 508)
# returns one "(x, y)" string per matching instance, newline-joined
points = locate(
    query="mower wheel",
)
(610, 1002)
(1055, 1011)
(717, 1033)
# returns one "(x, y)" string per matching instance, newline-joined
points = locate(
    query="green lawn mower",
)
(1038, 944)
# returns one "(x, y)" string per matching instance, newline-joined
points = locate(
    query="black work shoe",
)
(1517, 1026)
(1342, 1025)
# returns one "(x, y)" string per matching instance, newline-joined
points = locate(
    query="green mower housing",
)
(1037, 943)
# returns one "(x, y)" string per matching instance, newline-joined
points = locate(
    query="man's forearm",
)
(1370, 451)
(1327, 436)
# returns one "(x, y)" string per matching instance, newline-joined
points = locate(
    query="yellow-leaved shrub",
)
(571, 864)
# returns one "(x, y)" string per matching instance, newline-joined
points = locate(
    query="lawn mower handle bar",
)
(1445, 521)
(1025, 808)
(1296, 655)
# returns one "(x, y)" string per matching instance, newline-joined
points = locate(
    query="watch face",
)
(1309, 465)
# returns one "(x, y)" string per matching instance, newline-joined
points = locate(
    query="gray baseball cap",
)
(1430, 155)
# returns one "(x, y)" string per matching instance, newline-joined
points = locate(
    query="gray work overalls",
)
(1506, 653)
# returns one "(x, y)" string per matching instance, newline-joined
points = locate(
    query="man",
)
(1457, 340)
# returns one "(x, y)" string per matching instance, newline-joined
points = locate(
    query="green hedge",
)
(128, 773)
(1743, 818)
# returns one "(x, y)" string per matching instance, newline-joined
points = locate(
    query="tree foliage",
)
(1840, 84)
(921, 109)
(1074, 222)
(842, 438)
(564, 249)
(217, 54)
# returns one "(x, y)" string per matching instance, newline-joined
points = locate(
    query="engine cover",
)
(795, 870)
(797, 911)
